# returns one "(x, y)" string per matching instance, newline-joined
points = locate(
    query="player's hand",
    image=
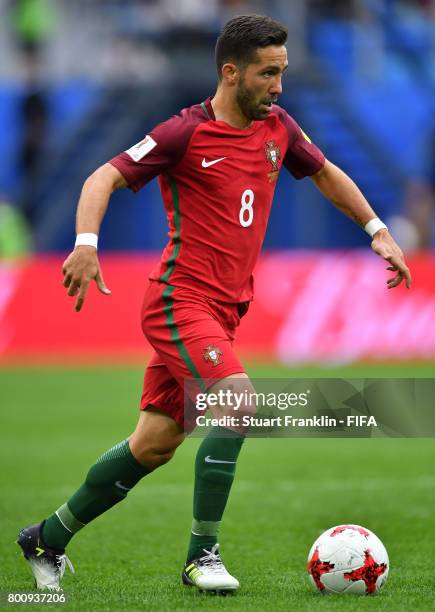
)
(384, 245)
(79, 269)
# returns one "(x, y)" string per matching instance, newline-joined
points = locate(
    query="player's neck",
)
(226, 109)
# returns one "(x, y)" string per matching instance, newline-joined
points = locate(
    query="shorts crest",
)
(212, 353)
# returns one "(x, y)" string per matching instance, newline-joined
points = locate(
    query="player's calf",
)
(215, 468)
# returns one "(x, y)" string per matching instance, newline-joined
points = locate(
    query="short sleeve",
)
(303, 158)
(159, 151)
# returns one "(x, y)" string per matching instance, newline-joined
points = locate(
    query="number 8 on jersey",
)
(246, 214)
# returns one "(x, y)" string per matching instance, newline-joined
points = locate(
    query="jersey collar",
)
(207, 109)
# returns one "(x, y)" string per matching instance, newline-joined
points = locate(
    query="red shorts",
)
(192, 337)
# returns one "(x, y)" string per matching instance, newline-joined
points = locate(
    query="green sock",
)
(107, 483)
(215, 467)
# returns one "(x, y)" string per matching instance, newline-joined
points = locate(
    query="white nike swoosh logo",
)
(206, 164)
(121, 486)
(208, 459)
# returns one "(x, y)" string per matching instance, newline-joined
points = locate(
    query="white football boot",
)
(47, 564)
(208, 573)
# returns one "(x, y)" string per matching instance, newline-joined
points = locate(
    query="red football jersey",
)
(217, 184)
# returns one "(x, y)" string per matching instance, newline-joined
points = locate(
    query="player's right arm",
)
(160, 150)
(82, 265)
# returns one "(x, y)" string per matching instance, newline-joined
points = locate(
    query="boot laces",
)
(62, 561)
(212, 560)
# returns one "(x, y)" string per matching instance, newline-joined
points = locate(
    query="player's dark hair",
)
(243, 35)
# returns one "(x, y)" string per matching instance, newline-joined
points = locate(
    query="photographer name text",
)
(322, 421)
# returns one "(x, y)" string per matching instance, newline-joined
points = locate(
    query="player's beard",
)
(249, 103)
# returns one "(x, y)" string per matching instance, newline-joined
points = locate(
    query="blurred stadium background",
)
(82, 80)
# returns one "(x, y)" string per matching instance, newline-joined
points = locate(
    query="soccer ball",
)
(348, 559)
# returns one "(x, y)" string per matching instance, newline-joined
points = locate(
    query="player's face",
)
(260, 83)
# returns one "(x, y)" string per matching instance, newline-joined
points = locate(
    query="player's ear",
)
(230, 73)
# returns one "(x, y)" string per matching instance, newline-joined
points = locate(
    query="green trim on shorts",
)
(175, 335)
(167, 293)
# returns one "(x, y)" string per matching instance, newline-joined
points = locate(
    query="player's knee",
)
(238, 396)
(152, 458)
(155, 439)
(160, 458)
(247, 408)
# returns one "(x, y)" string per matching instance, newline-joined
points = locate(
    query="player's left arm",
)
(340, 189)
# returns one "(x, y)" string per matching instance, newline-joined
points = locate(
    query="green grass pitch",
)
(56, 422)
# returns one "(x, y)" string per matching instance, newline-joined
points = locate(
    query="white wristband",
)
(87, 240)
(373, 226)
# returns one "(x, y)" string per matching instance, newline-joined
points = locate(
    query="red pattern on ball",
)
(369, 572)
(342, 528)
(317, 567)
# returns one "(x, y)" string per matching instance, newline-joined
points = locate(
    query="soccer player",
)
(217, 163)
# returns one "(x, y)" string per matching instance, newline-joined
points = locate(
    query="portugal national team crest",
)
(273, 155)
(212, 353)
